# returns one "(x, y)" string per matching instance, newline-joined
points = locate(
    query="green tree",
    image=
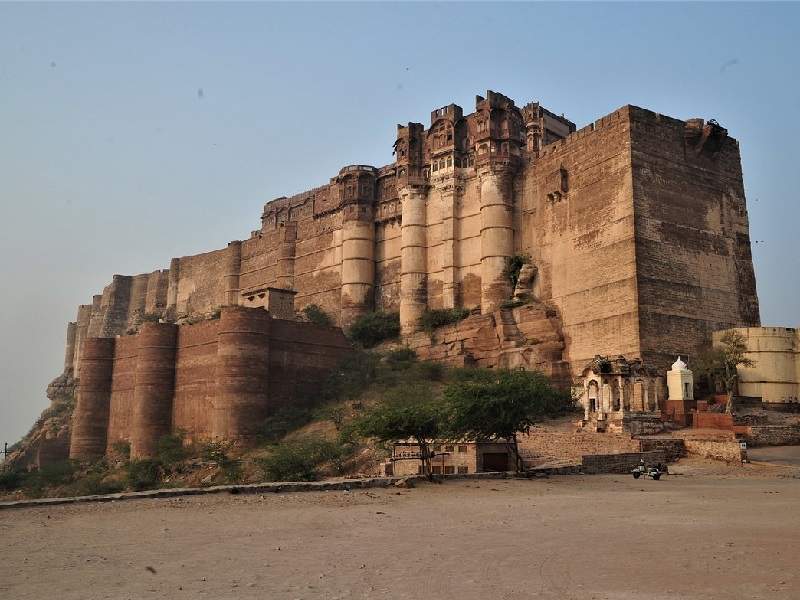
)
(488, 404)
(412, 412)
(721, 363)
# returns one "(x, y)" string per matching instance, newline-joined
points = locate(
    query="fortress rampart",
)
(636, 227)
(217, 379)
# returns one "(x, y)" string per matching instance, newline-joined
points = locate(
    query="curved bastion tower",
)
(633, 232)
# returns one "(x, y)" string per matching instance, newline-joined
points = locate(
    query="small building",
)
(612, 390)
(451, 458)
(680, 405)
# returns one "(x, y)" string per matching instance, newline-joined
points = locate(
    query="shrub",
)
(142, 474)
(282, 421)
(433, 318)
(214, 452)
(402, 358)
(351, 376)
(94, 484)
(512, 303)
(513, 266)
(299, 460)
(170, 450)
(317, 316)
(432, 371)
(371, 329)
(11, 479)
(122, 450)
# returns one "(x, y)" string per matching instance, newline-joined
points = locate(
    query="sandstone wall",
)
(694, 266)
(195, 379)
(638, 229)
(582, 239)
(216, 379)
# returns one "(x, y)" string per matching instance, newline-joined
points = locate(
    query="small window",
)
(462, 448)
(449, 161)
(436, 470)
(462, 470)
(448, 448)
(419, 470)
(449, 470)
(437, 448)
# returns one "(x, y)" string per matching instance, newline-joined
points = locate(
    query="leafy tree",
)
(488, 404)
(721, 363)
(410, 412)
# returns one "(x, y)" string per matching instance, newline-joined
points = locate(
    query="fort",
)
(632, 231)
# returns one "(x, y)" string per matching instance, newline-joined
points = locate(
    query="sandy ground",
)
(782, 455)
(704, 532)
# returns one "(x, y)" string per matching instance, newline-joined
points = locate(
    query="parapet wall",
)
(217, 379)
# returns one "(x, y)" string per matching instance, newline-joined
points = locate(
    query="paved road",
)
(779, 455)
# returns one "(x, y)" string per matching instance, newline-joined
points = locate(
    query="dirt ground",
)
(706, 531)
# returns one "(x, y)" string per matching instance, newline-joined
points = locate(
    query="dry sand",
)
(706, 533)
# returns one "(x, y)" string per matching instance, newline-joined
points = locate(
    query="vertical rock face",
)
(242, 372)
(154, 388)
(90, 419)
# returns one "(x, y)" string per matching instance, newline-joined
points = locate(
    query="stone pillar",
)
(90, 419)
(450, 291)
(172, 288)
(233, 268)
(154, 387)
(413, 258)
(586, 401)
(69, 350)
(606, 400)
(242, 373)
(286, 255)
(358, 262)
(621, 386)
(497, 238)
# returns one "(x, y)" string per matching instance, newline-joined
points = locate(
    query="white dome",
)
(679, 365)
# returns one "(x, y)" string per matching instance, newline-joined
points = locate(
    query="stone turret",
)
(154, 385)
(356, 185)
(233, 266)
(90, 419)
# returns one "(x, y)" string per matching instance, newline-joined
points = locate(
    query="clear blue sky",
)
(112, 162)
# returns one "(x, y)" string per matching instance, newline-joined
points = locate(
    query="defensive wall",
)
(636, 226)
(214, 380)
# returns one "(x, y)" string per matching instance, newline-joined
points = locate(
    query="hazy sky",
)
(133, 133)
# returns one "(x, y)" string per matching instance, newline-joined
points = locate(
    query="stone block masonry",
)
(636, 225)
(214, 380)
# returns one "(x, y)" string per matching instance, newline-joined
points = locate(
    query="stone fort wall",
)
(217, 379)
(636, 224)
